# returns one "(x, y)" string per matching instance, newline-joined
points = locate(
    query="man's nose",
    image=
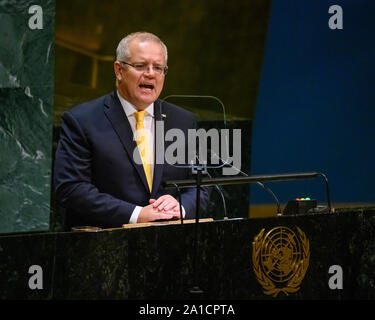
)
(150, 70)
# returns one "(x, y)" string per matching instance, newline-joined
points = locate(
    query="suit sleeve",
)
(73, 184)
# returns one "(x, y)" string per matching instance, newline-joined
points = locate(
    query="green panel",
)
(26, 100)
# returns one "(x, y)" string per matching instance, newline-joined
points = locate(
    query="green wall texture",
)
(26, 100)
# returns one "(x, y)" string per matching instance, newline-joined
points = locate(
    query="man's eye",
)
(158, 68)
(140, 66)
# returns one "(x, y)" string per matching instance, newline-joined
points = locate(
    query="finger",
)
(171, 206)
(162, 199)
(151, 201)
(164, 216)
(163, 205)
(165, 202)
(158, 202)
(173, 213)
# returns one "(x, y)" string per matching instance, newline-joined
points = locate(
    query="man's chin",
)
(145, 101)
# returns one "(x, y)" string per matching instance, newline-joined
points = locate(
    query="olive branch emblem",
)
(280, 260)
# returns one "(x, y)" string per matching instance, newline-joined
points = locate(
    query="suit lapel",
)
(116, 115)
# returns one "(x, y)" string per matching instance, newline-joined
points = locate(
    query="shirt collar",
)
(130, 108)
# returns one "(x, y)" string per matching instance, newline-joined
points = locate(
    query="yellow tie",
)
(143, 146)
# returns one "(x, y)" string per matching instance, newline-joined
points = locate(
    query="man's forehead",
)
(141, 47)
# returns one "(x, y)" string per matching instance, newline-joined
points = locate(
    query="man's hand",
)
(149, 214)
(166, 203)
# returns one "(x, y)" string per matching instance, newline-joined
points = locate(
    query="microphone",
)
(273, 196)
(268, 190)
(163, 116)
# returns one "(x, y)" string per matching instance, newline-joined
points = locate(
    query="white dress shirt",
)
(149, 124)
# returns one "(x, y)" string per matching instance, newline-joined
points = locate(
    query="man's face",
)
(141, 88)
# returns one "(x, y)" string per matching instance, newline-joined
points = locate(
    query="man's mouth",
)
(146, 86)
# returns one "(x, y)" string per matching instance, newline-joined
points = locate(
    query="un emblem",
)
(280, 260)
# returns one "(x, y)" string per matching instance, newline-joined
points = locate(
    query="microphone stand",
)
(197, 169)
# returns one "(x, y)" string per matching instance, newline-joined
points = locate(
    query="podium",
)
(235, 261)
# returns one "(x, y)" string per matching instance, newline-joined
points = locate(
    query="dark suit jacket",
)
(95, 176)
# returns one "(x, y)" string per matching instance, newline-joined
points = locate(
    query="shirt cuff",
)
(183, 212)
(135, 214)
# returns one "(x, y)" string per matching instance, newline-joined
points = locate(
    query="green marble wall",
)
(26, 100)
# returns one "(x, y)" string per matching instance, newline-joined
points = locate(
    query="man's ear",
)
(118, 70)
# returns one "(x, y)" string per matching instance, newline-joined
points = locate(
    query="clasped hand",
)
(164, 208)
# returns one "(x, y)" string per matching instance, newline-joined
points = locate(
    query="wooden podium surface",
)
(160, 223)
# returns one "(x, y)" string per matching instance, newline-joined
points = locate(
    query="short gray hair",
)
(122, 51)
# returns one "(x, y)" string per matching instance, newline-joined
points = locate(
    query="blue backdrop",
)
(315, 107)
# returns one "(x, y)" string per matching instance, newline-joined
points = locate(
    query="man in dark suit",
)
(97, 177)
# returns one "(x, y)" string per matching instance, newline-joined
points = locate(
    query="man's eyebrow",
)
(144, 62)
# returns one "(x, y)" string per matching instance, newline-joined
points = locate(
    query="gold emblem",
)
(280, 260)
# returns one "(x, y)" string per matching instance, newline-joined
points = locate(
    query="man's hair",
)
(122, 51)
